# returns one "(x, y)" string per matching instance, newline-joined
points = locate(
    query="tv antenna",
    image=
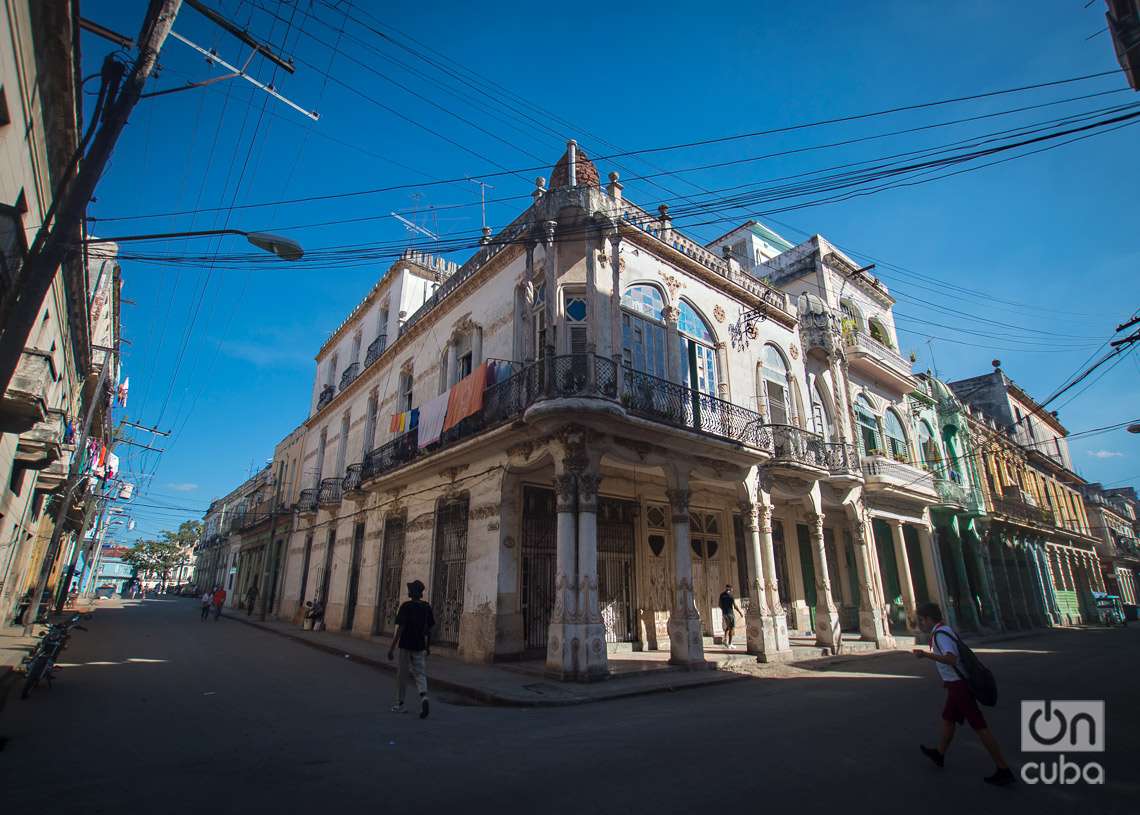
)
(483, 187)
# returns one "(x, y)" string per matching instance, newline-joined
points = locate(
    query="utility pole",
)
(55, 240)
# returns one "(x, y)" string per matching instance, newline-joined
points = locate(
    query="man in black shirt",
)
(727, 608)
(414, 622)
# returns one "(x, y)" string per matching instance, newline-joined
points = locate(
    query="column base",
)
(827, 631)
(873, 629)
(768, 637)
(686, 646)
(576, 652)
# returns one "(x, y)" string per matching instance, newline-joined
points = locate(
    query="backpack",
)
(977, 676)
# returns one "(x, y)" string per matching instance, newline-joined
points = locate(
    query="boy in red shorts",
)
(961, 706)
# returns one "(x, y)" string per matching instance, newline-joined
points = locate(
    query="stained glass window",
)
(644, 299)
(691, 323)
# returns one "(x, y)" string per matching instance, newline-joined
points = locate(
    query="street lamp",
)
(284, 248)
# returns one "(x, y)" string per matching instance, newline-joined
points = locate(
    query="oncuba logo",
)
(1071, 726)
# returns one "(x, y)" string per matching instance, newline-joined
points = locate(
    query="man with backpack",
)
(953, 659)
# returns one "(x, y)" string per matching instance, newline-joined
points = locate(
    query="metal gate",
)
(450, 569)
(353, 577)
(537, 564)
(615, 569)
(391, 574)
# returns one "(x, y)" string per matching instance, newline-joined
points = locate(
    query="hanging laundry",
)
(466, 397)
(102, 455)
(405, 421)
(432, 415)
(69, 432)
(131, 524)
(112, 465)
(123, 389)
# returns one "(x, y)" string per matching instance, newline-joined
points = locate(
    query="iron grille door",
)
(326, 576)
(450, 570)
(354, 577)
(539, 558)
(615, 569)
(391, 574)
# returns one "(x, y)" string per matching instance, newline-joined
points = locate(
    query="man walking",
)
(414, 622)
(728, 609)
(960, 702)
(219, 601)
(207, 600)
(251, 599)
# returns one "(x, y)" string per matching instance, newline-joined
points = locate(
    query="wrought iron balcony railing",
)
(1023, 511)
(329, 494)
(307, 500)
(352, 478)
(391, 455)
(375, 349)
(585, 375)
(842, 458)
(794, 445)
(350, 374)
(667, 402)
(327, 394)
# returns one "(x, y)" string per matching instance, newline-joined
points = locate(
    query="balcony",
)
(307, 501)
(248, 520)
(25, 402)
(327, 394)
(375, 349)
(349, 375)
(353, 477)
(818, 338)
(887, 476)
(53, 476)
(797, 450)
(878, 361)
(960, 497)
(39, 446)
(669, 403)
(329, 492)
(1023, 511)
(842, 460)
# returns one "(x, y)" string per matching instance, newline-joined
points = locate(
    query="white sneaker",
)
(398, 709)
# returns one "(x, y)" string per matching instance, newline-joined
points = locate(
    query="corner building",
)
(561, 439)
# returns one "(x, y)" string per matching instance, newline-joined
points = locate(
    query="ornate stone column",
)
(906, 581)
(550, 277)
(614, 236)
(673, 344)
(592, 661)
(873, 624)
(968, 614)
(564, 637)
(981, 568)
(1021, 606)
(827, 629)
(932, 568)
(686, 646)
(767, 640)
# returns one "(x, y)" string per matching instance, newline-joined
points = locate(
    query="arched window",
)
(698, 356)
(643, 330)
(820, 415)
(774, 386)
(896, 436)
(851, 320)
(928, 447)
(869, 438)
(879, 333)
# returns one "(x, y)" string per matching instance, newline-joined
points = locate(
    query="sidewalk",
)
(520, 684)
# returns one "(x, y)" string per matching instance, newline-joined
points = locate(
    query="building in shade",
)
(1114, 515)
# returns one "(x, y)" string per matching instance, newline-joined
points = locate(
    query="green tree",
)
(157, 558)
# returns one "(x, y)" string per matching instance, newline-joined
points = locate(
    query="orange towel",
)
(466, 397)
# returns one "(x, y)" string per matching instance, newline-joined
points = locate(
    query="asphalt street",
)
(157, 711)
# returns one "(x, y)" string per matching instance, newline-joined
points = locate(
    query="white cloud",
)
(1105, 454)
(183, 486)
(267, 354)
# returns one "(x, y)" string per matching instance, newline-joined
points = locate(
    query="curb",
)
(489, 697)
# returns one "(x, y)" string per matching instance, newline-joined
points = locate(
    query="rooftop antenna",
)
(933, 361)
(483, 187)
(414, 227)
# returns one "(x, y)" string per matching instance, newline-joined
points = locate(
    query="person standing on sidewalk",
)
(219, 601)
(251, 599)
(728, 609)
(961, 706)
(414, 622)
(206, 600)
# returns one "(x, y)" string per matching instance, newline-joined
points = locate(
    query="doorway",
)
(450, 569)
(538, 560)
(616, 600)
(391, 574)
(353, 577)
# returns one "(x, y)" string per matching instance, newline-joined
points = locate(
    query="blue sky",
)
(222, 354)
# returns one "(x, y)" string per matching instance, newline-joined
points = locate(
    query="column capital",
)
(564, 490)
(548, 228)
(588, 491)
(815, 521)
(679, 501)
